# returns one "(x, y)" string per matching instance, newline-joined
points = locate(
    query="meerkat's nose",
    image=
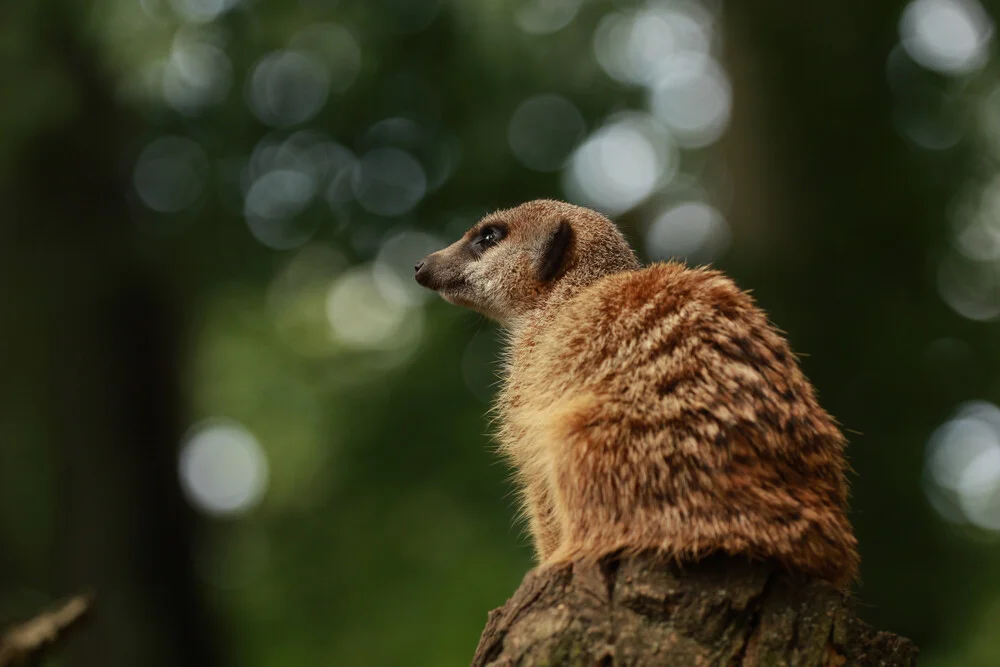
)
(421, 271)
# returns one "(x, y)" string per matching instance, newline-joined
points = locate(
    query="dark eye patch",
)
(488, 237)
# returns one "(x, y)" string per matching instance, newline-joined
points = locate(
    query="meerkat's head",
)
(512, 261)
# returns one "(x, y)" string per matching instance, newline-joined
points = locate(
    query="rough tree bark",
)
(722, 611)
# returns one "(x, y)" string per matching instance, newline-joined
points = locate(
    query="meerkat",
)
(647, 408)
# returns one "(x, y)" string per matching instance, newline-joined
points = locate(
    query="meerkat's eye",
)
(489, 236)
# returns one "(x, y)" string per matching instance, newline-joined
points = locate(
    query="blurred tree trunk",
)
(821, 177)
(718, 612)
(105, 348)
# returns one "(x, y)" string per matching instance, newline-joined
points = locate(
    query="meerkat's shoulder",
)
(663, 287)
(677, 277)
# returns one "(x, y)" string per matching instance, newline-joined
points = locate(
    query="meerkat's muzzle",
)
(439, 271)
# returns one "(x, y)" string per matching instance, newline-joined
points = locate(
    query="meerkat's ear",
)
(556, 252)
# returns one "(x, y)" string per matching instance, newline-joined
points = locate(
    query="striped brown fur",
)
(648, 408)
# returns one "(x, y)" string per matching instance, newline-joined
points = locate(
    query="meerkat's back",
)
(672, 416)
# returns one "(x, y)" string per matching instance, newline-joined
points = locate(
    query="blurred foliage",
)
(228, 409)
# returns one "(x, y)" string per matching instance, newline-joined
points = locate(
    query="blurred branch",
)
(25, 644)
(722, 611)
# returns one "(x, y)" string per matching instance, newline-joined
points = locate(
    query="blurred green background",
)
(228, 409)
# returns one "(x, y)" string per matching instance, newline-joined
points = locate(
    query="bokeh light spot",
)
(543, 17)
(366, 313)
(693, 98)
(978, 238)
(544, 130)
(389, 182)
(978, 231)
(273, 207)
(196, 74)
(963, 466)
(693, 231)
(202, 11)
(394, 132)
(639, 47)
(286, 88)
(971, 288)
(948, 36)
(170, 173)
(621, 164)
(437, 153)
(223, 470)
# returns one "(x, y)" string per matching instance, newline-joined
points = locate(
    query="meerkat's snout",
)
(440, 271)
(421, 276)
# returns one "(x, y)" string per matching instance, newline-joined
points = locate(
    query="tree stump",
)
(723, 611)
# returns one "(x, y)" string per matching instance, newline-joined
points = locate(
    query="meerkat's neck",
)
(568, 287)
